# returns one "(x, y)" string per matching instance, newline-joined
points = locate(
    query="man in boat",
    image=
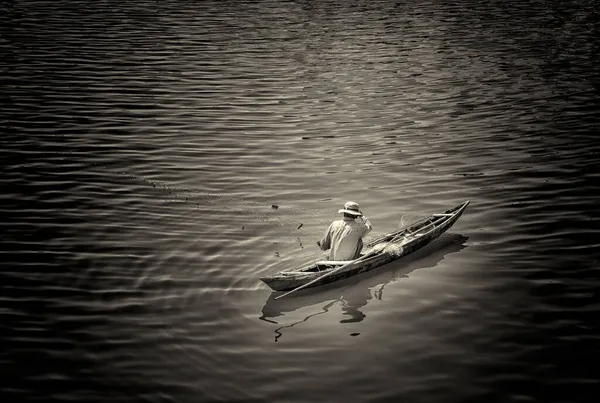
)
(345, 237)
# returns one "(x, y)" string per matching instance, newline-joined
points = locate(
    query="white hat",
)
(351, 208)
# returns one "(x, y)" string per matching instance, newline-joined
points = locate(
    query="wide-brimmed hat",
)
(351, 208)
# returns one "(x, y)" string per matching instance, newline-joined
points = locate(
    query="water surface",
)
(160, 157)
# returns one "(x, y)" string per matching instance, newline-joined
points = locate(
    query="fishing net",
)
(407, 220)
(389, 248)
(393, 249)
(278, 229)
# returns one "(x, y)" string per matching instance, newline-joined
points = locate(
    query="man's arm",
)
(368, 226)
(325, 243)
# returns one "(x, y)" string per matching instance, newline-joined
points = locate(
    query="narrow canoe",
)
(409, 239)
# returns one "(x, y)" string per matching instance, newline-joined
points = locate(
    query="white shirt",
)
(344, 237)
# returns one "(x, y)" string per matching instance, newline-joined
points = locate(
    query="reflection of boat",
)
(409, 240)
(361, 289)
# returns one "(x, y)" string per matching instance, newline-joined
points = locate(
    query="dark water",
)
(144, 144)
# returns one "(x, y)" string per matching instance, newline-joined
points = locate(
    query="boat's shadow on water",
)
(355, 292)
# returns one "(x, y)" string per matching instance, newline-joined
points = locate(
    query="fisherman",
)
(345, 236)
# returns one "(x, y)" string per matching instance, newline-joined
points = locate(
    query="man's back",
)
(344, 237)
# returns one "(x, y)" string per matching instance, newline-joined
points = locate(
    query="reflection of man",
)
(352, 309)
(344, 236)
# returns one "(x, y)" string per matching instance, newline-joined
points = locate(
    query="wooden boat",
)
(377, 253)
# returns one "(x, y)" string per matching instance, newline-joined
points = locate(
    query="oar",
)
(328, 274)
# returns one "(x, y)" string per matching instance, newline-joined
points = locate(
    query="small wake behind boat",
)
(378, 252)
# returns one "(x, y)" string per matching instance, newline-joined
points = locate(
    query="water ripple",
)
(160, 157)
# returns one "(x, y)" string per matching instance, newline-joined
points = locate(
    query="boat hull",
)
(410, 239)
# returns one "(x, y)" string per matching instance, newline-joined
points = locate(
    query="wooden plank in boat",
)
(334, 262)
